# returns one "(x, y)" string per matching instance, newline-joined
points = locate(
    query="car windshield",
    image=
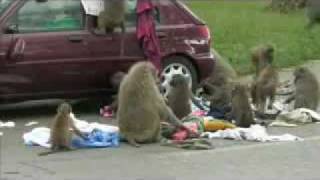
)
(4, 4)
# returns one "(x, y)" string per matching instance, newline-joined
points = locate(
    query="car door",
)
(55, 45)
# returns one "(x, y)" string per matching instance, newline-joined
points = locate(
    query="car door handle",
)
(75, 38)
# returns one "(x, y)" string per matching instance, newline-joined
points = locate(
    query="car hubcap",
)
(169, 71)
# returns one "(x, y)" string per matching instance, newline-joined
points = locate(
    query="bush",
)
(284, 6)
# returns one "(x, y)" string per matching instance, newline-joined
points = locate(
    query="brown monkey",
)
(307, 89)
(142, 107)
(115, 81)
(60, 135)
(113, 16)
(264, 87)
(241, 110)
(222, 73)
(261, 56)
(180, 96)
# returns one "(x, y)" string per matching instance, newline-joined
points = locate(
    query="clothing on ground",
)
(254, 133)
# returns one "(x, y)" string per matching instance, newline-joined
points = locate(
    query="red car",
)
(48, 49)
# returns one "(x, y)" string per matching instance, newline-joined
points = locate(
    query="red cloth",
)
(146, 32)
(182, 134)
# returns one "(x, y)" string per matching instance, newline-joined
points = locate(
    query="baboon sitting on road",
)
(142, 107)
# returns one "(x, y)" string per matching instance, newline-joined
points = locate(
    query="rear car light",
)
(204, 32)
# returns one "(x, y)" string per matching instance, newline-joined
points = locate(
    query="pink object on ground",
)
(146, 32)
(182, 134)
(106, 112)
(199, 113)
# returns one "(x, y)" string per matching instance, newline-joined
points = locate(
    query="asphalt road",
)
(229, 160)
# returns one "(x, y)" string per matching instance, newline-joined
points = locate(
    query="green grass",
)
(237, 26)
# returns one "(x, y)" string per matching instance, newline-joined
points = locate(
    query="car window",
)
(4, 4)
(131, 15)
(48, 16)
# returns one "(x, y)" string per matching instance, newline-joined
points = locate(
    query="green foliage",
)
(237, 26)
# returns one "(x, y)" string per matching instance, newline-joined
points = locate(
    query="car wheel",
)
(177, 65)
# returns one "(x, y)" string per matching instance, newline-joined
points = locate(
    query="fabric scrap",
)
(32, 123)
(215, 125)
(254, 133)
(99, 135)
(146, 32)
(106, 112)
(296, 117)
(8, 124)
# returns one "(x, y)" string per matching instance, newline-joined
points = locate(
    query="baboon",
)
(307, 89)
(261, 56)
(113, 16)
(60, 134)
(313, 12)
(180, 96)
(142, 107)
(263, 87)
(223, 72)
(115, 81)
(217, 88)
(241, 110)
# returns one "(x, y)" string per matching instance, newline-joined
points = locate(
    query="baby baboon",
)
(142, 107)
(60, 135)
(313, 12)
(180, 96)
(218, 94)
(263, 87)
(307, 89)
(115, 81)
(113, 16)
(261, 56)
(241, 110)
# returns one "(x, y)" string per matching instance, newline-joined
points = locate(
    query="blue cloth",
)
(220, 113)
(97, 139)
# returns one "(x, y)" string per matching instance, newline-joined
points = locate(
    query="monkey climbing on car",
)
(60, 134)
(307, 89)
(142, 107)
(113, 16)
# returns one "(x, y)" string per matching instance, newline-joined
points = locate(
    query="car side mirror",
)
(17, 49)
(11, 29)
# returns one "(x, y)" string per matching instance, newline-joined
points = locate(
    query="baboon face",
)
(179, 80)
(238, 89)
(300, 72)
(64, 108)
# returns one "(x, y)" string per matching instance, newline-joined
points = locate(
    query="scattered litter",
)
(106, 112)
(99, 135)
(296, 117)
(32, 123)
(254, 133)
(8, 124)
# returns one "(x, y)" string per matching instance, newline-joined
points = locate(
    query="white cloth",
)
(254, 133)
(93, 7)
(40, 136)
(31, 123)
(296, 117)
(7, 124)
